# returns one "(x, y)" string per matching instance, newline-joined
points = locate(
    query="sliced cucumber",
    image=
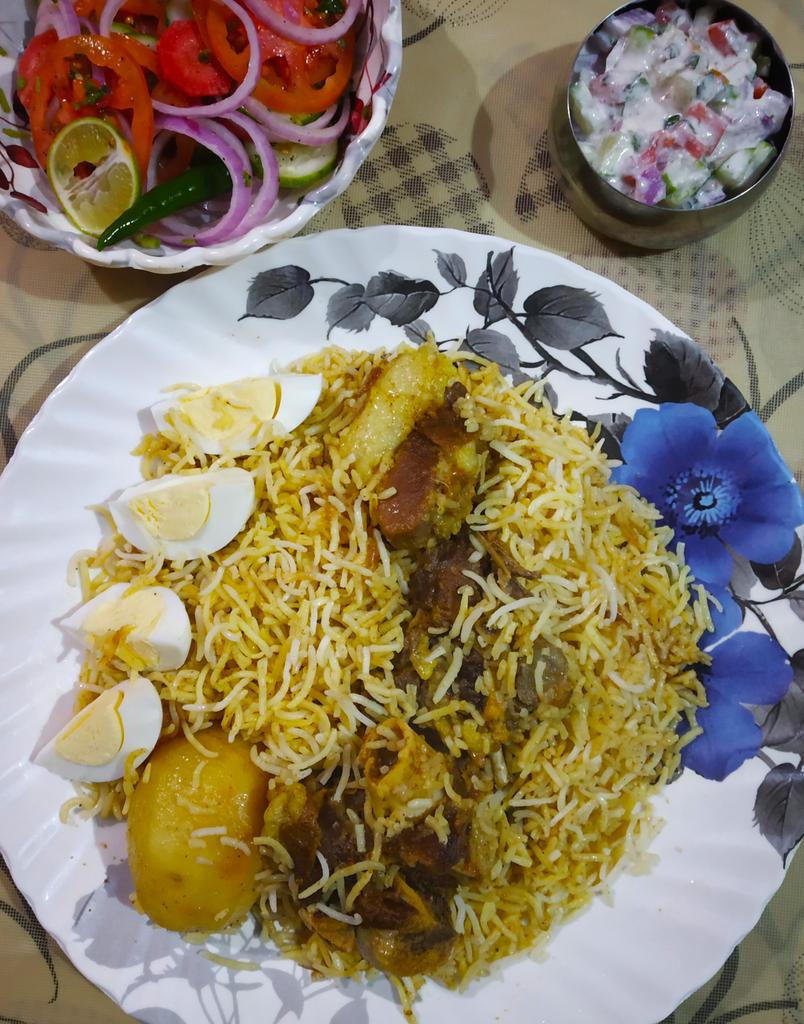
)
(297, 119)
(304, 118)
(745, 166)
(612, 150)
(639, 38)
(682, 178)
(586, 112)
(302, 166)
(141, 37)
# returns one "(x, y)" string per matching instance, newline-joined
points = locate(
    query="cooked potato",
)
(188, 882)
(408, 386)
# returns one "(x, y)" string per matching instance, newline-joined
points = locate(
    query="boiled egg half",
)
(185, 515)
(231, 418)
(147, 628)
(96, 743)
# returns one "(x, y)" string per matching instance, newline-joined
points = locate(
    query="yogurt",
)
(672, 109)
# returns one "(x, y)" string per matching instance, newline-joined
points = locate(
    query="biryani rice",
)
(298, 620)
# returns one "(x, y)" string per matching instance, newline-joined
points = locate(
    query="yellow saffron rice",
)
(296, 624)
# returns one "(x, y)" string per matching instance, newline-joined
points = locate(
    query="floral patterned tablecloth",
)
(466, 148)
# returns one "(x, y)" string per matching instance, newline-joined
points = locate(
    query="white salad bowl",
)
(378, 63)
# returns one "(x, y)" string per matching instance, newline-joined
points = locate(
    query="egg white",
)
(231, 493)
(170, 637)
(299, 394)
(141, 715)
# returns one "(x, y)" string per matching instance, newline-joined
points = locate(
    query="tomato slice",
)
(142, 54)
(129, 12)
(30, 65)
(718, 33)
(58, 77)
(186, 64)
(295, 79)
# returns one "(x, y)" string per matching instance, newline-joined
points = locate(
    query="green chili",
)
(195, 185)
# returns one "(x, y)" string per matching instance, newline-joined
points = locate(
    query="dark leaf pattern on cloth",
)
(279, 294)
(348, 309)
(779, 808)
(398, 298)
(452, 268)
(566, 318)
(677, 370)
(780, 574)
(23, 916)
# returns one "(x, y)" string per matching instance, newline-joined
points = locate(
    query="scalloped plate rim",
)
(351, 237)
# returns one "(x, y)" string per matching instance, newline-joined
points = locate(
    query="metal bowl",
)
(618, 216)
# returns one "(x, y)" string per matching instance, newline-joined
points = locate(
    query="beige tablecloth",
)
(466, 148)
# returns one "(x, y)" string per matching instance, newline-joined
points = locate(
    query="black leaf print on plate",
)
(783, 724)
(451, 267)
(497, 347)
(566, 318)
(347, 308)
(743, 576)
(279, 294)
(677, 370)
(418, 332)
(549, 393)
(782, 573)
(610, 429)
(398, 298)
(779, 808)
(731, 404)
(496, 287)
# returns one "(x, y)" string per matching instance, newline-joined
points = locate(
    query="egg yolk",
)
(175, 513)
(95, 735)
(128, 620)
(232, 410)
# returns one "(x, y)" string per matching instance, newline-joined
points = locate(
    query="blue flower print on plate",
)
(748, 667)
(714, 488)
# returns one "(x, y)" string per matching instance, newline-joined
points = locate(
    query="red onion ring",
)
(281, 130)
(229, 148)
(58, 15)
(108, 14)
(161, 139)
(265, 196)
(301, 33)
(244, 90)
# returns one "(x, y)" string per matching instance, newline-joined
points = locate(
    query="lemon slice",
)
(93, 173)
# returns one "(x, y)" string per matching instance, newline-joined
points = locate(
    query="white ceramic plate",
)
(380, 44)
(667, 931)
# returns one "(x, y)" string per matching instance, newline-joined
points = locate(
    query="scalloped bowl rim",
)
(178, 261)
